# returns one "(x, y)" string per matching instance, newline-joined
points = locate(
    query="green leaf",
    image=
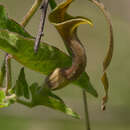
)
(11, 25)
(45, 61)
(48, 57)
(2, 98)
(5, 101)
(43, 96)
(52, 3)
(21, 87)
(39, 95)
(84, 82)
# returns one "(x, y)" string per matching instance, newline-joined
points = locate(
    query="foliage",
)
(18, 43)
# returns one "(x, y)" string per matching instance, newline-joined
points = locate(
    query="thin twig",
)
(25, 21)
(42, 23)
(8, 72)
(31, 12)
(2, 73)
(87, 122)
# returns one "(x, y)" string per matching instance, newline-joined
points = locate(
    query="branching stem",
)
(25, 21)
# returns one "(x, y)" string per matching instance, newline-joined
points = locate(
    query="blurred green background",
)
(95, 39)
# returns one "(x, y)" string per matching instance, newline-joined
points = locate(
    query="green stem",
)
(25, 21)
(2, 73)
(8, 72)
(87, 122)
(31, 12)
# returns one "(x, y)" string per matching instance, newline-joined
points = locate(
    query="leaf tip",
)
(71, 113)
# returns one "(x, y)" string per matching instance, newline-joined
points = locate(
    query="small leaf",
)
(2, 96)
(5, 101)
(21, 86)
(52, 3)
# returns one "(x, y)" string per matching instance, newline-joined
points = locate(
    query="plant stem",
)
(8, 72)
(42, 23)
(87, 121)
(2, 74)
(31, 12)
(25, 21)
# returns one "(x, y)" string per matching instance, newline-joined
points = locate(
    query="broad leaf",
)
(21, 86)
(47, 59)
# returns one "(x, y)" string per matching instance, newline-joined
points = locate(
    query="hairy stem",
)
(31, 12)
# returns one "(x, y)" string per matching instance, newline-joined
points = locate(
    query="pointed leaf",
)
(43, 96)
(21, 87)
(38, 63)
(5, 101)
(45, 61)
(39, 96)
